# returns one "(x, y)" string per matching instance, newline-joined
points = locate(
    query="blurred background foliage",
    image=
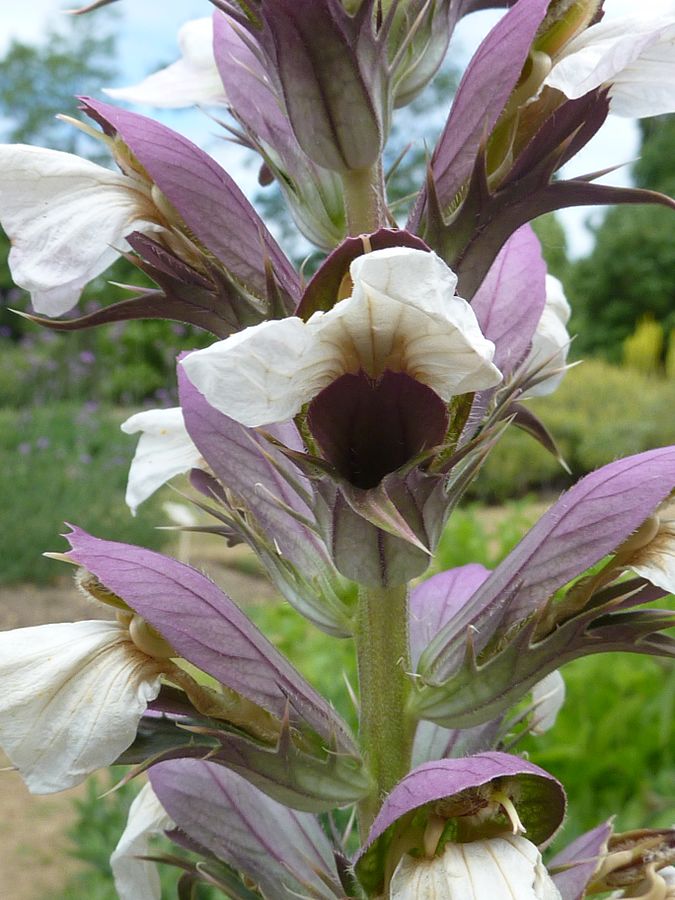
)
(62, 455)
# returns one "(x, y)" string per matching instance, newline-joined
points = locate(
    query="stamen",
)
(615, 860)
(507, 805)
(658, 889)
(432, 835)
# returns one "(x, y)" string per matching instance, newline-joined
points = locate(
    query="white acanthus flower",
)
(191, 80)
(67, 219)
(654, 557)
(500, 868)
(633, 56)
(550, 342)
(73, 695)
(164, 450)
(403, 316)
(137, 879)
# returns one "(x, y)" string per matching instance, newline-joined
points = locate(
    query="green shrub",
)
(670, 355)
(125, 363)
(613, 701)
(599, 413)
(64, 463)
(642, 349)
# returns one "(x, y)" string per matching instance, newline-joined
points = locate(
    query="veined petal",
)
(191, 79)
(265, 373)
(551, 340)
(67, 219)
(500, 868)
(404, 315)
(137, 879)
(636, 55)
(283, 851)
(164, 450)
(72, 697)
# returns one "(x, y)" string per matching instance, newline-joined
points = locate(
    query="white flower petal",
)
(656, 560)
(66, 218)
(137, 879)
(164, 450)
(403, 315)
(636, 55)
(501, 868)
(551, 341)
(72, 697)
(548, 696)
(190, 80)
(263, 374)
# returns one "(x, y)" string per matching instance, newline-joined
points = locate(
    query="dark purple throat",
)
(368, 428)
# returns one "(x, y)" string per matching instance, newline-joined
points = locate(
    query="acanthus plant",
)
(333, 426)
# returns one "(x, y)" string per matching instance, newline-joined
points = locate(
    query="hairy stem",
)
(386, 730)
(364, 199)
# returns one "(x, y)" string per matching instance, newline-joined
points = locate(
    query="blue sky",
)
(148, 37)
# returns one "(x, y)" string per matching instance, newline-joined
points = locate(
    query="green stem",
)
(364, 199)
(386, 730)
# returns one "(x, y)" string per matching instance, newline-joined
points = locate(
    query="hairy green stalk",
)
(386, 730)
(364, 199)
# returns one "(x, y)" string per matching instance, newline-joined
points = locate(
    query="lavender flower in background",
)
(333, 426)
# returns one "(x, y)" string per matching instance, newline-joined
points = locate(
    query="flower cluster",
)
(332, 426)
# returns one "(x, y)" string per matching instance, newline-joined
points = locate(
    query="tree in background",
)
(630, 275)
(39, 81)
(553, 244)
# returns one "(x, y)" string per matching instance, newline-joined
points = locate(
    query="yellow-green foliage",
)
(642, 350)
(670, 355)
(599, 413)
